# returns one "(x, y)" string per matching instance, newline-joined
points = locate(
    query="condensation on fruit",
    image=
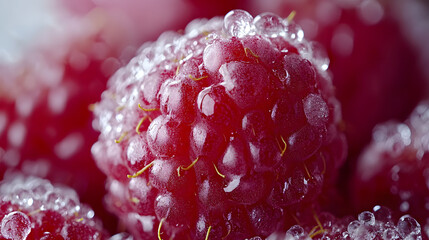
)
(234, 119)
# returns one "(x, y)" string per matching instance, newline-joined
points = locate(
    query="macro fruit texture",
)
(377, 70)
(45, 120)
(222, 131)
(376, 224)
(393, 169)
(32, 208)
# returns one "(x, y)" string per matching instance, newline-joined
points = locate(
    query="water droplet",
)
(382, 213)
(15, 226)
(294, 32)
(353, 227)
(295, 232)
(408, 227)
(320, 56)
(269, 24)
(390, 234)
(238, 23)
(367, 218)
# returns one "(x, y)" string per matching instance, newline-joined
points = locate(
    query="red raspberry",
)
(220, 130)
(45, 121)
(31, 208)
(378, 224)
(376, 68)
(393, 169)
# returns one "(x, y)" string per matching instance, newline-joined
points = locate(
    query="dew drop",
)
(353, 227)
(15, 226)
(269, 24)
(295, 232)
(390, 234)
(320, 56)
(408, 227)
(294, 32)
(382, 213)
(238, 23)
(367, 218)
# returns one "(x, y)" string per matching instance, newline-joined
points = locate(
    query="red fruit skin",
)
(374, 59)
(32, 208)
(45, 101)
(200, 120)
(392, 170)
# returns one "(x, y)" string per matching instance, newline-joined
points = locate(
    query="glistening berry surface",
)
(220, 131)
(32, 208)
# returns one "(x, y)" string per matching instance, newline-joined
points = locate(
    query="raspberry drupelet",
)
(219, 132)
(32, 208)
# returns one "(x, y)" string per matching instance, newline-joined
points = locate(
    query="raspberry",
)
(32, 208)
(196, 132)
(393, 169)
(375, 224)
(45, 121)
(376, 68)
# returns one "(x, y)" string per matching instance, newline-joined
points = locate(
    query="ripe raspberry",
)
(393, 169)
(31, 208)
(220, 130)
(376, 68)
(45, 123)
(378, 224)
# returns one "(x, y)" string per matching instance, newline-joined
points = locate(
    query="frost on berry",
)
(393, 169)
(221, 131)
(369, 225)
(32, 208)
